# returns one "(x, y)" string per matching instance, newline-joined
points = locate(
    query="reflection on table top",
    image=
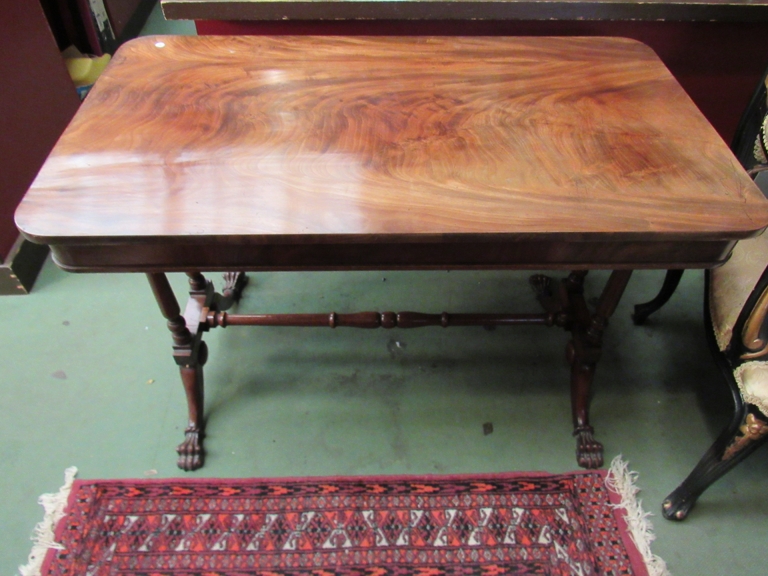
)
(286, 136)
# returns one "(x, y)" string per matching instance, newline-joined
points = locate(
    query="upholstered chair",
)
(736, 309)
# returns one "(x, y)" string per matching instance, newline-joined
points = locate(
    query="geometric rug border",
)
(390, 488)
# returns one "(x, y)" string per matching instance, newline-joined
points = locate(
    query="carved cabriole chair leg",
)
(671, 281)
(746, 433)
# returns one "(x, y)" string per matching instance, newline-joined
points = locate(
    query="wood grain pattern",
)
(254, 141)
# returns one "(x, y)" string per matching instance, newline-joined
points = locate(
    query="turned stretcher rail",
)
(213, 319)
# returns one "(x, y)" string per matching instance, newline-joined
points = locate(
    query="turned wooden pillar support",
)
(189, 351)
(190, 354)
(565, 300)
(607, 304)
(584, 351)
(169, 306)
(197, 283)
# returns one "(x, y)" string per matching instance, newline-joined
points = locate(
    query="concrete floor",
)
(88, 381)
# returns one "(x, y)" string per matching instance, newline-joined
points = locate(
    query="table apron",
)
(522, 255)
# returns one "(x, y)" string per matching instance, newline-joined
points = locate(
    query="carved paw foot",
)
(191, 450)
(542, 285)
(678, 504)
(234, 282)
(589, 452)
(547, 295)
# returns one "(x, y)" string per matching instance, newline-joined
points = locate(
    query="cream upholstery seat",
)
(731, 285)
(752, 379)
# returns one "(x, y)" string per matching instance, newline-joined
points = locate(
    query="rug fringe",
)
(43, 536)
(622, 480)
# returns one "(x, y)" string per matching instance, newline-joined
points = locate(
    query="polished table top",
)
(350, 152)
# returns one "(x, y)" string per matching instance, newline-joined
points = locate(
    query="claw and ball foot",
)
(589, 452)
(745, 434)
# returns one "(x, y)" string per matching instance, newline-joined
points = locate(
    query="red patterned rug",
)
(427, 526)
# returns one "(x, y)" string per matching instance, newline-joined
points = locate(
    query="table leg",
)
(189, 351)
(563, 301)
(191, 453)
(190, 354)
(584, 351)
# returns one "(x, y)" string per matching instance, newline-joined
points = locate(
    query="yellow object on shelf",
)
(84, 70)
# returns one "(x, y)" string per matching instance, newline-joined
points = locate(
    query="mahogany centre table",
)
(348, 153)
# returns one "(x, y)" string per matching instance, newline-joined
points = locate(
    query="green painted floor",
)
(88, 381)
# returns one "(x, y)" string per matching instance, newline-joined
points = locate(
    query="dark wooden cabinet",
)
(96, 26)
(37, 101)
